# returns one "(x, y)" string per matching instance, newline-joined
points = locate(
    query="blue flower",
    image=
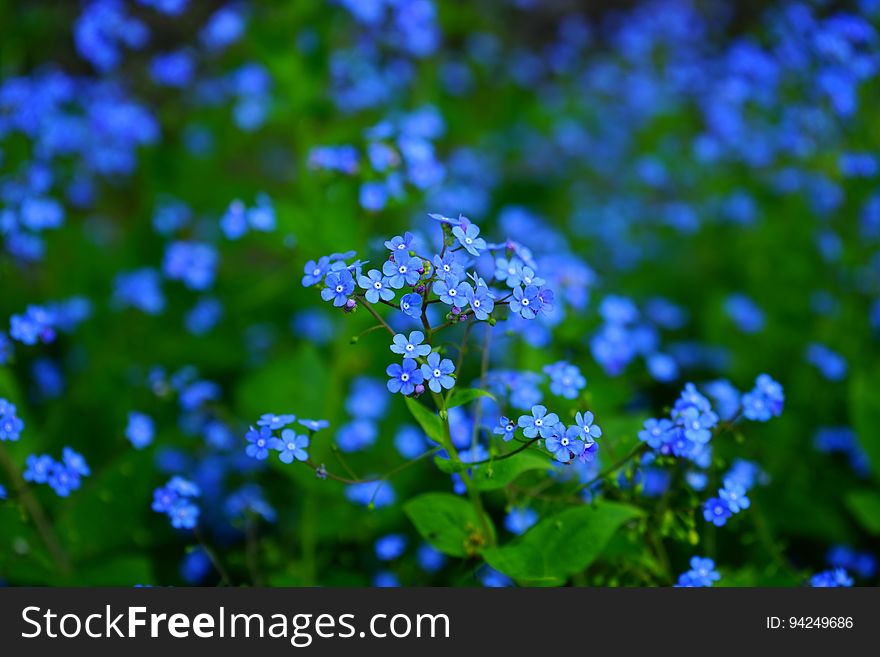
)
(448, 267)
(62, 479)
(830, 364)
(35, 325)
(405, 271)
(691, 397)
(291, 446)
(357, 435)
(716, 511)
(340, 285)
(585, 422)
(184, 515)
(702, 573)
(373, 195)
(233, 223)
(184, 487)
(481, 300)
(539, 422)
(468, 236)
(519, 520)
(837, 577)
(399, 244)
(697, 426)
(437, 373)
(505, 428)
(275, 422)
(411, 304)
(140, 429)
(404, 378)
(429, 558)
(75, 462)
(376, 493)
(410, 442)
(390, 547)
(566, 379)
(565, 444)
(139, 289)
(37, 468)
(314, 425)
(734, 495)
(376, 286)
(315, 271)
(411, 347)
(10, 425)
(509, 271)
(525, 302)
(259, 443)
(764, 401)
(451, 292)
(656, 433)
(193, 263)
(591, 449)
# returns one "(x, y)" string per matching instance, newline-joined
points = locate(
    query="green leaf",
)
(864, 405)
(497, 474)
(865, 506)
(561, 545)
(462, 396)
(448, 523)
(430, 422)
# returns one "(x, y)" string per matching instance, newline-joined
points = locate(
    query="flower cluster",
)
(566, 443)
(239, 218)
(688, 431)
(63, 476)
(702, 573)
(732, 496)
(176, 500)
(834, 578)
(11, 425)
(288, 443)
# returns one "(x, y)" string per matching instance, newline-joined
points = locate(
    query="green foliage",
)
(560, 545)
(449, 523)
(864, 400)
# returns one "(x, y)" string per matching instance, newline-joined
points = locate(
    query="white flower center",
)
(476, 303)
(402, 269)
(525, 302)
(339, 288)
(437, 374)
(409, 347)
(539, 422)
(291, 446)
(317, 272)
(378, 285)
(564, 442)
(453, 292)
(404, 377)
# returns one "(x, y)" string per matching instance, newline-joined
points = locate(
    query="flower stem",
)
(37, 514)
